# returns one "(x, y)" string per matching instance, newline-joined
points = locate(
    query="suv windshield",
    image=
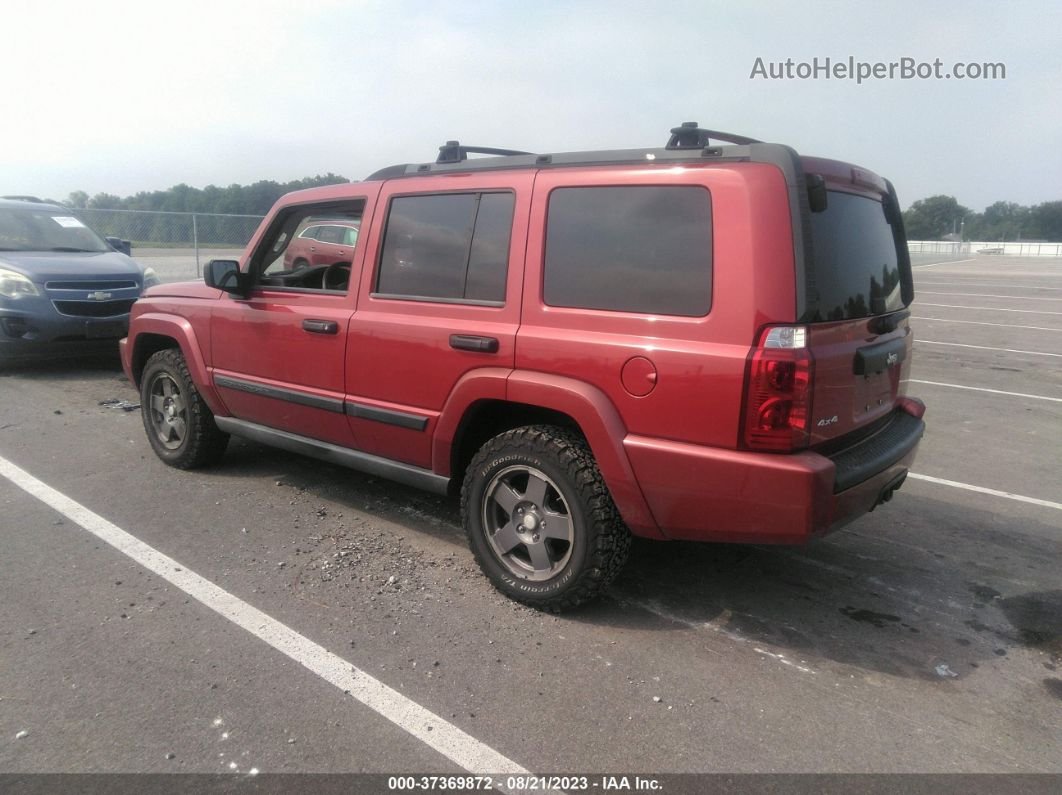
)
(857, 267)
(46, 230)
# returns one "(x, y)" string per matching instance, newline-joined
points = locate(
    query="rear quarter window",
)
(643, 249)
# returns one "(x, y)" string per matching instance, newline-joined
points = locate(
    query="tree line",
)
(943, 218)
(255, 199)
(934, 218)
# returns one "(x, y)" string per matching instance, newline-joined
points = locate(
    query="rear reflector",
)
(778, 391)
(913, 406)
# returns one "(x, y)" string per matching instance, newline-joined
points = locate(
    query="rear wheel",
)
(179, 425)
(540, 520)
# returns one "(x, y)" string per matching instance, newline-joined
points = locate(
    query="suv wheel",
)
(179, 424)
(540, 520)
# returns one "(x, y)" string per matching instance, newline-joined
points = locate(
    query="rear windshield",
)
(856, 268)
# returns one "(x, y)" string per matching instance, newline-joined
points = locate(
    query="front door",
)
(278, 356)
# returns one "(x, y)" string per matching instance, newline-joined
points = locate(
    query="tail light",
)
(778, 391)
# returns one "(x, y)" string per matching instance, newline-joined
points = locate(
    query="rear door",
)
(440, 299)
(858, 290)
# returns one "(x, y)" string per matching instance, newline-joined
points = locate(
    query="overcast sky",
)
(123, 97)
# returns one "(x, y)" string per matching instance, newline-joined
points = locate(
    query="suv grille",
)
(94, 285)
(94, 308)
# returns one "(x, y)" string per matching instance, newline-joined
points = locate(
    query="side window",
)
(630, 249)
(330, 234)
(448, 247)
(290, 257)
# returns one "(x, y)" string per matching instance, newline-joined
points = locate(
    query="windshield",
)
(856, 268)
(46, 230)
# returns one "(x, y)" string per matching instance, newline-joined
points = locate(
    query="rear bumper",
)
(709, 494)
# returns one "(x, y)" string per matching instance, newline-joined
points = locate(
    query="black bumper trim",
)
(877, 452)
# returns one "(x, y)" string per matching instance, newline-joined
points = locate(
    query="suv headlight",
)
(15, 285)
(150, 277)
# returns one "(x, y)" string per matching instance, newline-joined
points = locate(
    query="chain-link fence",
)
(176, 245)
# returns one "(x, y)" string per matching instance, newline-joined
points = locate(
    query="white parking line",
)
(945, 262)
(985, 348)
(991, 309)
(964, 283)
(435, 732)
(982, 323)
(982, 490)
(992, 295)
(984, 389)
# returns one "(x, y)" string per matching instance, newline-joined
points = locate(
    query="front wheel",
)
(540, 520)
(179, 425)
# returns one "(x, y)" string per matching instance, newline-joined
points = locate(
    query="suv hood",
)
(188, 289)
(42, 266)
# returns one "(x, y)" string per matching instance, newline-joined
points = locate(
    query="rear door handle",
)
(469, 342)
(320, 326)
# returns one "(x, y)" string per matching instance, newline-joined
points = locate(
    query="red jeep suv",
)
(702, 342)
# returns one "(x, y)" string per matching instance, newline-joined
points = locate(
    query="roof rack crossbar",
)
(691, 136)
(454, 152)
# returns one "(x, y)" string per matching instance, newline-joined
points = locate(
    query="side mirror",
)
(224, 274)
(121, 246)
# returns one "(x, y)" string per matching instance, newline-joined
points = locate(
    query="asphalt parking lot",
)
(926, 637)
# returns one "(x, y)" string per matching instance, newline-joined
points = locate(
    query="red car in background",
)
(321, 242)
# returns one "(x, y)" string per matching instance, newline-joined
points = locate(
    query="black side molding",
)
(334, 405)
(402, 419)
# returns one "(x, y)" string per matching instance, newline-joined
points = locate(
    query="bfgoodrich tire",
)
(540, 520)
(179, 425)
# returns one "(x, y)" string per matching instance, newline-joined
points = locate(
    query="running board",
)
(334, 454)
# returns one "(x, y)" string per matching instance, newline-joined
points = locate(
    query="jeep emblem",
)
(99, 295)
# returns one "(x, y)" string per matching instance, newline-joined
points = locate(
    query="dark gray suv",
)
(63, 289)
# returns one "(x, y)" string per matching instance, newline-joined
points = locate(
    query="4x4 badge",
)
(891, 359)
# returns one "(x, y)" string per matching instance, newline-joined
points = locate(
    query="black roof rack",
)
(689, 135)
(23, 199)
(453, 152)
(687, 142)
